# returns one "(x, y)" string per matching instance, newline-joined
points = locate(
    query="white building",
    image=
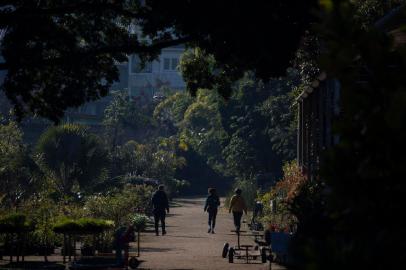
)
(149, 81)
(142, 84)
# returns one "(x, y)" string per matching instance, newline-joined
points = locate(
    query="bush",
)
(175, 187)
(83, 225)
(119, 207)
(139, 222)
(15, 223)
(278, 201)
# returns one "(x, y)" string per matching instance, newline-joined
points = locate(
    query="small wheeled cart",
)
(244, 252)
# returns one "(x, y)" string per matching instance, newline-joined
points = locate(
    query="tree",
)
(19, 174)
(241, 36)
(354, 213)
(60, 54)
(123, 119)
(71, 156)
(368, 12)
(253, 128)
(280, 113)
(202, 128)
(240, 158)
(170, 112)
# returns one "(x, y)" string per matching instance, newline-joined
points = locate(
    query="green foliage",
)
(123, 117)
(71, 156)
(234, 136)
(15, 223)
(59, 56)
(165, 161)
(367, 12)
(278, 200)
(83, 226)
(220, 37)
(43, 212)
(20, 176)
(139, 221)
(202, 128)
(200, 70)
(170, 112)
(354, 214)
(259, 120)
(120, 206)
(157, 159)
(240, 157)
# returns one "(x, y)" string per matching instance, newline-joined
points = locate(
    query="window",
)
(136, 66)
(171, 64)
(174, 63)
(167, 63)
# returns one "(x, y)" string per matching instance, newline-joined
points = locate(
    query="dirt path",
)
(187, 244)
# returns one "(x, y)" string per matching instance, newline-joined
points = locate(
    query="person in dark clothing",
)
(160, 206)
(211, 206)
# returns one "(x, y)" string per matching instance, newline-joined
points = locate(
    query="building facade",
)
(318, 105)
(143, 83)
(149, 81)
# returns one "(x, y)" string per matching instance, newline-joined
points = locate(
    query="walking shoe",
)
(212, 231)
(163, 232)
(157, 233)
(209, 230)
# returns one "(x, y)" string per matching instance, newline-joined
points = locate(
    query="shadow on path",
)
(184, 236)
(155, 249)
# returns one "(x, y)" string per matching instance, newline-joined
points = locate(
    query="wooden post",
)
(138, 242)
(74, 248)
(69, 247)
(94, 245)
(18, 247)
(23, 248)
(11, 249)
(64, 248)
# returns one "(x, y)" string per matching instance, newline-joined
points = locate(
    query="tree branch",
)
(23, 13)
(126, 48)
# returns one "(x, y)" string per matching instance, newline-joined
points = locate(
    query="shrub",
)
(277, 202)
(83, 225)
(15, 223)
(120, 206)
(139, 222)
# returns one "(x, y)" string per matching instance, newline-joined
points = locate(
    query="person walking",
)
(211, 206)
(160, 206)
(237, 206)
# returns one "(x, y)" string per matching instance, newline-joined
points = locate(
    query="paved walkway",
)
(187, 244)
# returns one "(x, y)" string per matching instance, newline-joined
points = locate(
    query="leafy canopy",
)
(60, 54)
(72, 156)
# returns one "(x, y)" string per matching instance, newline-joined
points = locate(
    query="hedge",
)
(15, 223)
(83, 226)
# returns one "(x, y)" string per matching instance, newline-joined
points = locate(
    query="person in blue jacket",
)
(211, 206)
